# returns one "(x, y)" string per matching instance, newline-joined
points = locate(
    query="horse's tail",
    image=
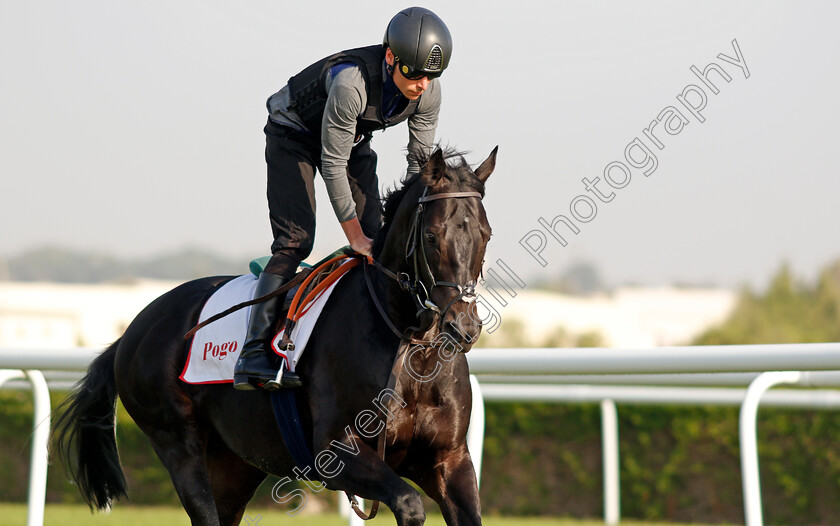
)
(85, 434)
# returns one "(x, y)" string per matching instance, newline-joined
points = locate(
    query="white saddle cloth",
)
(215, 348)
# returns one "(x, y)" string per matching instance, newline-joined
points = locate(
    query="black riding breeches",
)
(292, 158)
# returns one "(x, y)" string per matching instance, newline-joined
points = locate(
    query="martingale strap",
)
(396, 369)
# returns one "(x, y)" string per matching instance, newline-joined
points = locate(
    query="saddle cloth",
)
(215, 348)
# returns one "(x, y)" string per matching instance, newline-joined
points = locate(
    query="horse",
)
(409, 301)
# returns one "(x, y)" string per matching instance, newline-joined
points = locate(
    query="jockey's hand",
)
(363, 247)
(358, 240)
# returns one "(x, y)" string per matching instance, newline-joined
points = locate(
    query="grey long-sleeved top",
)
(346, 100)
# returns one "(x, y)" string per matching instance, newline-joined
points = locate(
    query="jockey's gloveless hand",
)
(357, 238)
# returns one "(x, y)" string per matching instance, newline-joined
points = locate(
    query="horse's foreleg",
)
(455, 488)
(357, 469)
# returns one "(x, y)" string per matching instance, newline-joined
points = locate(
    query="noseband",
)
(415, 249)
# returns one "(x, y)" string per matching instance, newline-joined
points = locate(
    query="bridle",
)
(416, 240)
(415, 250)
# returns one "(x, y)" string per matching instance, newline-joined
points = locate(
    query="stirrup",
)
(277, 382)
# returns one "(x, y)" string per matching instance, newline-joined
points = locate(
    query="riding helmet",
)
(420, 41)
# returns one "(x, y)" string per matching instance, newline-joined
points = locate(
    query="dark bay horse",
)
(218, 443)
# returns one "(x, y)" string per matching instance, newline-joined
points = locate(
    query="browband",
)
(434, 197)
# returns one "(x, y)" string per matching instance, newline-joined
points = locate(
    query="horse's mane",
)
(394, 197)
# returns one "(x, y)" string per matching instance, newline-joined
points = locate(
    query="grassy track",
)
(124, 515)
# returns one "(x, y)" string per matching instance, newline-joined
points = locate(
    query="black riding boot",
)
(256, 364)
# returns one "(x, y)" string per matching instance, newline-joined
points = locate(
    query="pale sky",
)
(135, 128)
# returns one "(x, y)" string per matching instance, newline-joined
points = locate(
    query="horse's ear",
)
(434, 168)
(487, 167)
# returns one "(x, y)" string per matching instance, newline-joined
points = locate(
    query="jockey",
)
(323, 118)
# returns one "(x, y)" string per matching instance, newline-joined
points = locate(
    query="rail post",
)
(609, 441)
(749, 440)
(38, 460)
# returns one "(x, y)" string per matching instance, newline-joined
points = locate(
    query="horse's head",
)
(437, 234)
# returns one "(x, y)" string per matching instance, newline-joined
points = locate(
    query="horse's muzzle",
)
(461, 327)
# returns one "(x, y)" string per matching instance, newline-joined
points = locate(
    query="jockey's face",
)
(411, 89)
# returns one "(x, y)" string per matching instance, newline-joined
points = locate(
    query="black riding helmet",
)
(420, 42)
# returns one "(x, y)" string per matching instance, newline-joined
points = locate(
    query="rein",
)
(297, 280)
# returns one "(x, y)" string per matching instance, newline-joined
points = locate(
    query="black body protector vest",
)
(308, 95)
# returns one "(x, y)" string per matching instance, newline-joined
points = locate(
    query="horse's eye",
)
(430, 238)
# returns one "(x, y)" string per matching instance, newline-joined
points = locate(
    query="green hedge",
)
(677, 464)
